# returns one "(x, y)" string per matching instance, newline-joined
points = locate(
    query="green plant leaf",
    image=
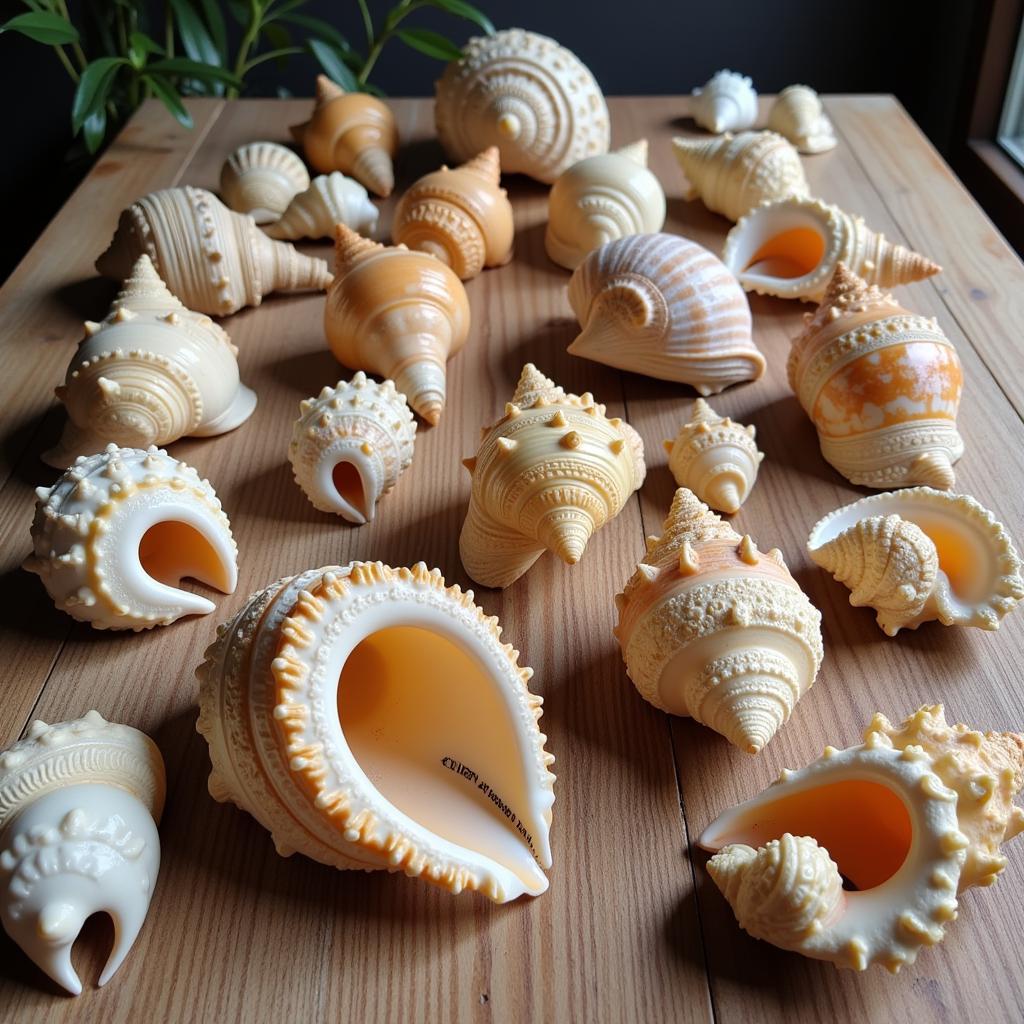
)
(43, 27)
(140, 45)
(239, 11)
(461, 9)
(285, 51)
(193, 69)
(332, 63)
(198, 43)
(93, 86)
(166, 93)
(277, 35)
(218, 30)
(433, 44)
(321, 29)
(94, 129)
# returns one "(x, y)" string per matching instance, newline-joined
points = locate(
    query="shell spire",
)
(727, 102)
(485, 165)
(533, 386)
(144, 289)
(350, 247)
(327, 90)
(634, 151)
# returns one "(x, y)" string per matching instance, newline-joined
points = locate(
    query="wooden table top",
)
(632, 928)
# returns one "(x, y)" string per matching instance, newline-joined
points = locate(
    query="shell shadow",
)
(306, 373)
(530, 250)
(786, 435)
(26, 607)
(24, 444)
(416, 158)
(86, 299)
(686, 216)
(546, 349)
(272, 493)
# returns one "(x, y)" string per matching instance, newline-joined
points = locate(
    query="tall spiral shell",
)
(727, 102)
(797, 114)
(331, 199)
(261, 179)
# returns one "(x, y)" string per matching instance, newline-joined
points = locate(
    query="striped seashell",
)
(261, 179)
(727, 102)
(797, 114)
(331, 199)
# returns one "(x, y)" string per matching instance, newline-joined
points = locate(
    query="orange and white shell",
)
(114, 537)
(261, 179)
(547, 475)
(727, 102)
(525, 94)
(372, 719)
(919, 554)
(910, 818)
(881, 385)
(329, 200)
(665, 307)
(350, 445)
(712, 628)
(797, 114)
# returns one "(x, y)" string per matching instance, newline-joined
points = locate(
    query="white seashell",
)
(261, 179)
(797, 114)
(727, 102)
(330, 199)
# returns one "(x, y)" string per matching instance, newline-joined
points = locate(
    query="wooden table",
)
(632, 928)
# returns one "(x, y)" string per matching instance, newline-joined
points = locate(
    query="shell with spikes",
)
(429, 759)
(727, 102)
(713, 628)
(329, 200)
(546, 476)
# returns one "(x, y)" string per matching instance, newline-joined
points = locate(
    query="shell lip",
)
(242, 406)
(359, 512)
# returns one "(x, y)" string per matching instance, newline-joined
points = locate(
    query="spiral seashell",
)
(525, 94)
(798, 115)
(79, 806)
(350, 445)
(330, 199)
(665, 307)
(461, 216)
(712, 628)
(261, 179)
(727, 102)
(398, 313)
(732, 174)
(418, 751)
(547, 475)
(600, 199)
(116, 534)
(903, 822)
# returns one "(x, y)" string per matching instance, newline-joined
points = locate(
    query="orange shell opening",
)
(171, 551)
(789, 254)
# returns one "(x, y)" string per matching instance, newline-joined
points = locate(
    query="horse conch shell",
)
(715, 458)
(919, 554)
(215, 260)
(460, 215)
(116, 534)
(261, 179)
(152, 371)
(797, 114)
(665, 307)
(350, 445)
(731, 174)
(727, 102)
(350, 132)
(525, 94)
(910, 818)
(330, 199)
(548, 474)
(398, 313)
(882, 387)
(712, 628)
(600, 199)
(791, 248)
(417, 750)
(79, 806)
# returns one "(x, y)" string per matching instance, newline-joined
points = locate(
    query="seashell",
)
(549, 473)
(791, 249)
(350, 445)
(600, 199)
(398, 313)
(525, 94)
(417, 751)
(712, 628)
(330, 199)
(919, 554)
(261, 179)
(727, 102)
(732, 174)
(665, 307)
(882, 387)
(215, 260)
(715, 458)
(909, 819)
(461, 216)
(116, 534)
(79, 806)
(152, 371)
(797, 114)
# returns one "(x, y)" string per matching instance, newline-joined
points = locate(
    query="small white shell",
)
(261, 179)
(797, 114)
(727, 102)
(330, 199)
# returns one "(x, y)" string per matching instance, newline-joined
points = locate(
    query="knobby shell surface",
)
(727, 102)
(261, 179)
(330, 199)
(797, 114)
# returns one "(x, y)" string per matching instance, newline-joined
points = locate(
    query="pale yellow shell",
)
(727, 102)
(261, 179)
(330, 199)
(797, 114)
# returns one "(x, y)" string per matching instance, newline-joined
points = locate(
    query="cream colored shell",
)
(797, 114)
(330, 199)
(261, 179)
(727, 102)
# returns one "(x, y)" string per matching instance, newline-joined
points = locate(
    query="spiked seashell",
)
(797, 114)
(548, 474)
(418, 751)
(261, 179)
(711, 628)
(665, 307)
(329, 200)
(79, 806)
(525, 94)
(727, 102)
(117, 533)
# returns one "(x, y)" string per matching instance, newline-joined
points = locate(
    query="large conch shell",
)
(398, 313)
(462, 216)
(715, 458)
(727, 102)
(602, 198)
(350, 132)
(548, 474)
(912, 817)
(261, 179)
(525, 94)
(152, 371)
(882, 387)
(350, 445)
(919, 554)
(712, 628)
(372, 719)
(215, 260)
(665, 307)
(79, 806)
(732, 174)
(331, 199)
(797, 114)
(116, 534)
(791, 249)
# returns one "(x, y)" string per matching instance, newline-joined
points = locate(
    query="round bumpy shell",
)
(261, 179)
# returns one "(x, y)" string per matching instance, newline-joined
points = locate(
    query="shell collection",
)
(797, 114)
(727, 102)
(330, 199)
(261, 179)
